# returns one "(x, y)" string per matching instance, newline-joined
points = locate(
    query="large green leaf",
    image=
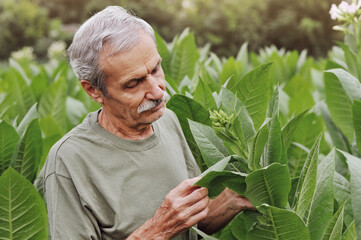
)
(342, 192)
(22, 210)
(20, 69)
(350, 84)
(30, 116)
(186, 108)
(184, 58)
(211, 146)
(339, 105)
(20, 93)
(354, 166)
(231, 69)
(300, 92)
(203, 95)
(253, 90)
(242, 223)
(39, 84)
(209, 76)
(48, 142)
(28, 153)
(350, 233)
(334, 226)
(307, 182)
(8, 140)
(273, 103)
(216, 179)
(356, 114)
(50, 127)
(352, 60)
(256, 146)
(308, 130)
(269, 185)
(163, 52)
(278, 224)
(53, 103)
(339, 140)
(289, 129)
(321, 207)
(75, 110)
(297, 155)
(275, 150)
(242, 56)
(226, 234)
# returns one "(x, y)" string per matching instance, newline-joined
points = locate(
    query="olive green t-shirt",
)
(100, 186)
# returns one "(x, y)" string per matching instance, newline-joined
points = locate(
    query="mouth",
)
(152, 104)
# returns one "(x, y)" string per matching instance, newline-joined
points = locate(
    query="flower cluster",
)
(222, 124)
(345, 11)
(349, 16)
(26, 53)
(221, 120)
(57, 50)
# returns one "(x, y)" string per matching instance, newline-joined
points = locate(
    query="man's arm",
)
(223, 209)
(187, 205)
(182, 208)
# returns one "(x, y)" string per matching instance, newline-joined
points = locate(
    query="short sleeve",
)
(69, 217)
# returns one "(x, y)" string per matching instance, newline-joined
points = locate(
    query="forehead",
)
(133, 63)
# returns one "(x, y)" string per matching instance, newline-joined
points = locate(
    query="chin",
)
(154, 114)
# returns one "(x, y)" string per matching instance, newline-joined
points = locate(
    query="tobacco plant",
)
(278, 127)
(286, 135)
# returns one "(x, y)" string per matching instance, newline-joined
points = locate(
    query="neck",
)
(120, 129)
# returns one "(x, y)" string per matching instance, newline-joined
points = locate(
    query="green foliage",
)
(224, 24)
(22, 22)
(321, 207)
(277, 127)
(271, 130)
(278, 223)
(269, 185)
(22, 210)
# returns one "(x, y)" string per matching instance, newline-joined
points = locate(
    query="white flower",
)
(335, 12)
(26, 53)
(352, 8)
(344, 10)
(57, 49)
(188, 4)
(343, 6)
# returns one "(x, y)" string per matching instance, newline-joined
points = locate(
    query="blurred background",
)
(226, 24)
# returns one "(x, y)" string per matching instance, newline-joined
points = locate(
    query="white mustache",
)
(150, 104)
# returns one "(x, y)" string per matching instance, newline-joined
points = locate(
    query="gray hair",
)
(113, 27)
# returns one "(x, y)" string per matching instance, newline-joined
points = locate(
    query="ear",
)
(93, 92)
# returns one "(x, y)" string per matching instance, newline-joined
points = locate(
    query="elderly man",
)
(126, 171)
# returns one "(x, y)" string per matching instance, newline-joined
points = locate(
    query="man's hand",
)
(182, 208)
(222, 209)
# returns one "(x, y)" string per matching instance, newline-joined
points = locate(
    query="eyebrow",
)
(139, 78)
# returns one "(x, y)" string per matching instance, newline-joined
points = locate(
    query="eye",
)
(155, 70)
(133, 83)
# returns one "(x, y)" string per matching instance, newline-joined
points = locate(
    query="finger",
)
(195, 211)
(200, 205)
(196, 195)
(185, 187)
(245, 204)
(197, 216)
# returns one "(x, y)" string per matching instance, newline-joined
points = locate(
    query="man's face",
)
(135, 80)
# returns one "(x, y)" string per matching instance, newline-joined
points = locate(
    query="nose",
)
(155, 88)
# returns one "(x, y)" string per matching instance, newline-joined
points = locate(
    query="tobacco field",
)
(279, 127)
